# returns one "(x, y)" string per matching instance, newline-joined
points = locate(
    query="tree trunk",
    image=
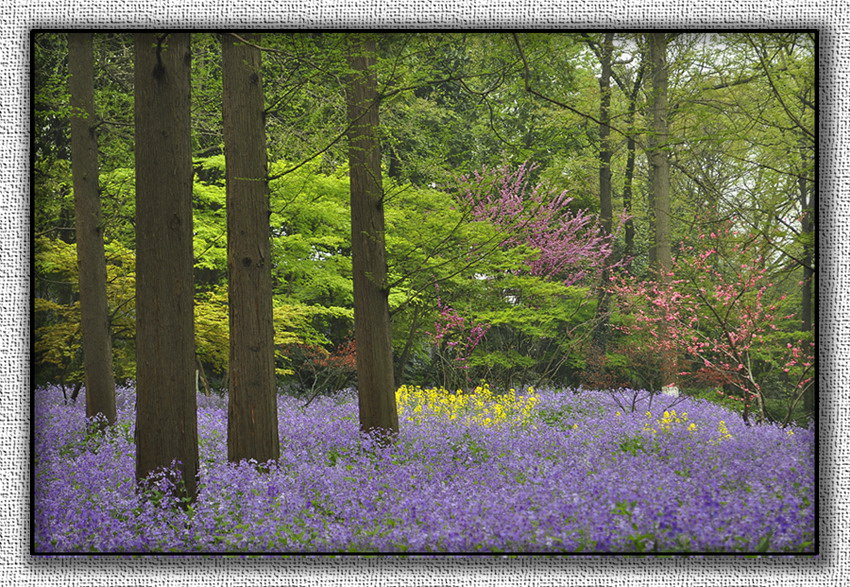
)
(628, 183)
(97, 342)
(599, 342)
(371, 308)
(166, 406)
(201, 377)
(660, 183)
(807, 288)
(659, 159)
(606, 211)
(629, 175)
(252, 427)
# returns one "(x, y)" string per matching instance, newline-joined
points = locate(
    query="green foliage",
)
(114, 98)
(310, 227)
(57, 344)
(118, 205)
(632, 445)
(57, 310)
(212, 331)
(97, 437)
(742, 144)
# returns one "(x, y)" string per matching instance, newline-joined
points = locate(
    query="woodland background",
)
(559, 131)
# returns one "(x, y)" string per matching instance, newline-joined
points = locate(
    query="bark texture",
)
(252, 427)
(606, 210)
(91, 262)
(660, 180)
(371, 309)
(658, 157)
(166, 421)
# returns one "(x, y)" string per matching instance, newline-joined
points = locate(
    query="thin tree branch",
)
(776, 92)
(532, 91)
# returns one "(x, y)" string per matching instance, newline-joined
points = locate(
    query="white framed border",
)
(18, 17)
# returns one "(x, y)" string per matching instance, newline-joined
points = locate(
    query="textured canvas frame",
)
(19, 568)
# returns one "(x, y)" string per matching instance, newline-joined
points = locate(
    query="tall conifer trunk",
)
(166, 405)
(371, 308)
(97, 340)
(252, 427)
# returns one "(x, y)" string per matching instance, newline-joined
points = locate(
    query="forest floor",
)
(483, 471)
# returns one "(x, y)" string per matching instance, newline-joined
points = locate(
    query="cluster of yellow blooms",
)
(479, 406)
(724, 432)
(670, 418)
(665, 424)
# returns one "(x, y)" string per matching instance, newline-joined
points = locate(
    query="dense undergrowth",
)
(529, 471)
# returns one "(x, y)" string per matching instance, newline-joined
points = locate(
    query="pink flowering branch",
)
(567, 245)
(554, 243)
(718, 314)
(453, 331)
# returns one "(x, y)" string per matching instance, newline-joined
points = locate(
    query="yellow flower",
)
(723, 430)
(480, 406)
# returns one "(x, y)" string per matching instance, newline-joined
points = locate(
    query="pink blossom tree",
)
(563, 244)
(532, 234)
(455, 338)
(721, 316)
